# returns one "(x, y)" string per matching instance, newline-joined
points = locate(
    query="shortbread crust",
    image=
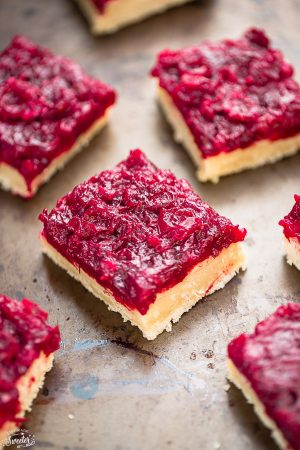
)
(28, 387)
(140, 233)
(291, 233)
(12, 180)
(27, 346)
(292, 249)
(204, 279)
(236, 377)
(265, 365)
(50, 107)
(214, 167)
(120, 13)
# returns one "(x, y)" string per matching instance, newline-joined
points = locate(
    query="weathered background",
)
(134, 394)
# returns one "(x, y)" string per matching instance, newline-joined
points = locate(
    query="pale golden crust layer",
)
(120, 13)
(28, 387)
(292, 248)
(12, 180)
(211, 169)
(243, 384)
(202, 280)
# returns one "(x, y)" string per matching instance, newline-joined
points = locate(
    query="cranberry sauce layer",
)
(291, 222)
(101, 4)
(24, 333)
(137, 230)
(232, 93)
(270, 360)
(46, 102)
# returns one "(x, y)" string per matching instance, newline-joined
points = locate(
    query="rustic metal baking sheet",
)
(110, 389)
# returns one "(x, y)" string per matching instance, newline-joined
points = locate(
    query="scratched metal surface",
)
(110, 388)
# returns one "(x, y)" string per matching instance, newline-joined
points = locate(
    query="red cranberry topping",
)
(291, 222)
(232, 93)
(101, 4)
(24, 333)
(270, 360)
(46, 102)
(137, 230)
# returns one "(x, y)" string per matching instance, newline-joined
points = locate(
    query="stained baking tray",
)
(110, 388)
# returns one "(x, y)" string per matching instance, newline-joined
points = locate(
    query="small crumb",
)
(226, 387)
(68, 318)
(193, 356)
(34, 280)
(71, 416)
(208, 353)
(210, 366)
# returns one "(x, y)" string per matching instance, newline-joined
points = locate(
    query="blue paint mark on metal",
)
(87, 344)
(189, 375)
(161, 376)
(86, 387)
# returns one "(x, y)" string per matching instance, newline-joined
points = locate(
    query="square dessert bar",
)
(27, 345)
(234, 104)
(265, 365)
(142, 241)
(107, 16)
(49, 110)
(291, 231)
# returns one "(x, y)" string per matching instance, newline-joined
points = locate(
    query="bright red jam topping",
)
(137, 230)
(270, 360)
(232, 93)
(46, 102)
(291, 222)
(101, 4)
(24, 334)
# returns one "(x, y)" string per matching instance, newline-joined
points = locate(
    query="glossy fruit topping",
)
(24, 334)
(291, 222)
(270, 360)
(46, 102)
(137, 230)
(232, 93)
(101, 4)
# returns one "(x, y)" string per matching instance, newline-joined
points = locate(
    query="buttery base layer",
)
(214, 167)
(292, 249)
(28, 387)
(243, 384)
(12, 180)
(203, 279)
(120, 13)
